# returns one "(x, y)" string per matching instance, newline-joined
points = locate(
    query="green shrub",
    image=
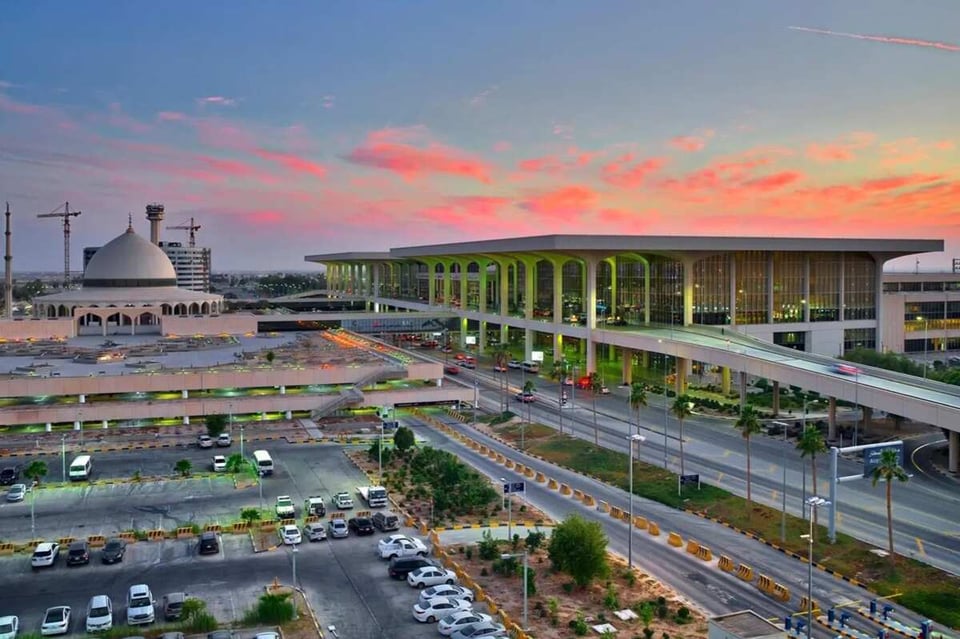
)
(610, 600)
(683, 615)
(568, 587)
(272, 610)
(648, 633)
(488, 548)
(579, 625)
(468, 553)
(554, 607)
(534, 540)
(506, 566)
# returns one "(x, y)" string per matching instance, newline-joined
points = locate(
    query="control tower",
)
(155, 216)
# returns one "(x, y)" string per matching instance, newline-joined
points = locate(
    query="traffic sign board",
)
(514, 487)
(871, 457)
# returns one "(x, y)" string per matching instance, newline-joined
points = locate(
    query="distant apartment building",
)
(921, 312)
(192, 264)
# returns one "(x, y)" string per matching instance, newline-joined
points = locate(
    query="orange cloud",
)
(382, 151)
(840, 150)
(293, 162)
(899, 182)
(562, 201)
(623, 172)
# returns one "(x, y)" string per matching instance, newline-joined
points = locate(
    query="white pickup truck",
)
(374, 496)
(401, 546)
(285, 507)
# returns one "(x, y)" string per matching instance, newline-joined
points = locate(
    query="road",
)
(715, 449)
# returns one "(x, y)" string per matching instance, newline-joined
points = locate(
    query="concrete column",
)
(591, 300)
(557, 347)
(843, 294)
(645, 360)
(527, 344)
(733, 289)
(49, 427)
(646, 292)
(186, 420)
(463, 333)
(482, 338)
(680, 381)
(77, 425)
(447, 284)
(770, 280)
(832, 418)
(82, 398)
(184, 394)
(725, 380)
(743, 388)
(953, 452)
(687, 292)
(288, 415)
(503, 279)
(464, 280)
(806, 288)
(612, 311)
(867, 418)
(482, 288)
(103, 327)
(376, 285)
(776, 398)
(105, 424)
(529, 291)
(557, 293)
(432, 283)
(626, 363)
(283, 389)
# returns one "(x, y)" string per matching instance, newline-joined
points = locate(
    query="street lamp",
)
(926, 324)
(63, 457)
(241, 441)
(638, 439)
(813, 502)
(33, 517)
(525, 569)
(380, 456)
(664, 380)
(503, 482)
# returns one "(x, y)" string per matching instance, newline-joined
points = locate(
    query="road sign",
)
(871, 457)
(690, 479)
(514, 487)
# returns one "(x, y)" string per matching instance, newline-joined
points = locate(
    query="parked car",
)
(514, 364)
(204, 441)
(315, 532)
(459, 620)
(385, 521)
(224, 440)
(220, 634)
(343, 501)
(285, 508)
(99, 614)
(446, 590)
(9, 475)
(9, 627)
(361, 526)
(338, 528)
(17, 492)
(171, 605)
(401, 546)
(480, 629)
(209, 544)
(113, 551)
(431, 576)
(45, 554)
(219, 463)
(525, 397)
(56, 621)
(433, 609)
(78, 553)
(289, 535)
(140, 605)
(402, 566)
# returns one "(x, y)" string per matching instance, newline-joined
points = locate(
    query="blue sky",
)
(308, 127)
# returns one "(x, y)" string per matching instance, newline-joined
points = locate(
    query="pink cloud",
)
(171, 116)
(293, 162)
(546, 164)
(898, 182)
(840, 150)
(383, 151)
(502, 146)
(625, 173)
(913, 42)
(774, 181)
(565, 200)
(264, 217)
(691, 143)
(218, 133)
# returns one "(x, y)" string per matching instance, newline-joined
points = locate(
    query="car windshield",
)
(43, 553)
(78, 551)
(6, 628)
(112, 546)
(55, 615)
(174, 605)
(102, 611)
(140, 601)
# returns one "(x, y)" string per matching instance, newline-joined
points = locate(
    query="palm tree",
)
(501, 356)
(749, 424)
(559, 373)
(528, 388)
(638, 399)
(595, 385)
(811, 443)
(36, 470)
(681, 409)
(888, 469)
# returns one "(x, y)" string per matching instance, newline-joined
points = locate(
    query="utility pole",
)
(65, 214)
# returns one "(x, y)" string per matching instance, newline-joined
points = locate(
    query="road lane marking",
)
(719, 477)
(923, 553)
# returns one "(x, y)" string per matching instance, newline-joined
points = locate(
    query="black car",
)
(209, 544)
(78, 554)
(9, 476)
(361, 525)
(400, 567)
(113, 551)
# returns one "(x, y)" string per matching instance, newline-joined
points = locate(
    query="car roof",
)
(139, 589)
(55, 608)
(45, 545)
(79, 543)
(98, 600)
(175, 597)
(208, 534)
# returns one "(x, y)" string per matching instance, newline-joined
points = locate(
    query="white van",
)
(530, 367)
(140, 605)
(263, 461)
(81, 467)
(99, 614)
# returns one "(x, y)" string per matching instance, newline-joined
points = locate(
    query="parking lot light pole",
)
(814, 502)
(638, 439)
(503, 482)
(241, 441)
(380, 456)
(293, 550)
(63, 457)
(525, 572)
(33, 517)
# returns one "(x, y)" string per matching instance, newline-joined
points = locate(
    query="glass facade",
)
(752, 286)
(825, 272)
(859, 280)
(666, 291)
(854, 338)
(789, 281)
(711, 290)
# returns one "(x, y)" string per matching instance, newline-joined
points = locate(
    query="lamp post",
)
(525, 570)
(638, 439)
(241, 441)
(380, 456)
(664, 380)
(503, 482)
(63, 457)
(813, 502)
(926, 324)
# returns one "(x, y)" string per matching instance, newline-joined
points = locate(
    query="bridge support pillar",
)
(48, 427)
(557, 347)
(184, 394)
(288, 414)
(743, 388)
(82, 399)
(186, 420)
(626, 364)
(953, 452)
(482, 338)
(776, 399)
(283, 389)
(725, 380)
(105, 424)
(867, 418)
(527, 344)
(832, 419)
(680, 381)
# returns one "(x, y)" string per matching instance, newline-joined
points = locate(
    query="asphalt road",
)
(713, 448)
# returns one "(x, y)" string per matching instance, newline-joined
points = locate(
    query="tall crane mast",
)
(65, 214)
(191, 227)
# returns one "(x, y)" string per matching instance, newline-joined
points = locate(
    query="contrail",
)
(943, 46)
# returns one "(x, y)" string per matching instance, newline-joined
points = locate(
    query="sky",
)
(302, 127)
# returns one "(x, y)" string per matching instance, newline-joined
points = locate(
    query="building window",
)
(788, 286)
(854, 338)
(666, 291)
(711, 291)
(859, 286)
(932, 286)
(631, 274)
(752, 287)
(825, 273)
(910, 287)
(796, 340)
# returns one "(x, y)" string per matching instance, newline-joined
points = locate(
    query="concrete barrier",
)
(520, 468)
(552, 484)
(541, 478)
(704, 554)
(66, 541)
(640, 522)
(588, 500)
(765, 584)
(564, 489)
(312, 519)
(240, 526)
(745, 572)
(653, 529)
(674, 540)
(7, 549)
(616, 513)
(156, 535)
(268, 525)
(725, 563)
(781, 592)
(484, 450)
(128, 536)
(291, 522)
(217, 528)
(506, 462)
(603, 506)
(500, 458)
(692, 546)
(184, 532)
(805, 604)
(97, 541)
(528, 472)
(492, 454)
(578, 494)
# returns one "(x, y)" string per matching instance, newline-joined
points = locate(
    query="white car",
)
(343, 501)
(290, 535)
(99, 614)
(459, 620)
(339, 528)
(285, 508)
(433, 609)
(9, 627)
(44, 555)
(480, 629)
(401, 546)
(17, 492)
(56, 621)
(445, 590)
(315, 532)
(431, 576)
(219, 463)
(204, 441)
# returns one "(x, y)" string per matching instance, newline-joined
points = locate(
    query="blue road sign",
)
(871, 457)
(514, 487)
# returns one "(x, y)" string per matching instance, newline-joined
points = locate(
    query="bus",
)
(263, 461)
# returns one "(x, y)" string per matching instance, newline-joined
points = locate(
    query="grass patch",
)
(512, 432)
(926, 590)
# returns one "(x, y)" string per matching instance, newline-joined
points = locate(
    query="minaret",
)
(155, 215)
(8, 270)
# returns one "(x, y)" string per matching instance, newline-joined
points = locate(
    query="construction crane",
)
(64, 213)
(191, 227)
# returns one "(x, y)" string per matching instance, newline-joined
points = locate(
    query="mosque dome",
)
(129, 261)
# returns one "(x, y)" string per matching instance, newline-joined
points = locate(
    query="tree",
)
(270, 357)
(403, 440)
(638, 399)
(36, 470)
(579, 548)
(216, 424)
(250, 515)
(235, 463)
(501, 356)
(749, 424)
(887, 470)
(183, 467)
(595, 385)
(379, 451)
(681, 409)
(811, 444)
(559, 374)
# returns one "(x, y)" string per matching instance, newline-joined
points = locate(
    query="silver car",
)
(315, 532)
(338, 528)
(17, 492)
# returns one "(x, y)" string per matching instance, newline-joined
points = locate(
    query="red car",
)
(451, 370)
